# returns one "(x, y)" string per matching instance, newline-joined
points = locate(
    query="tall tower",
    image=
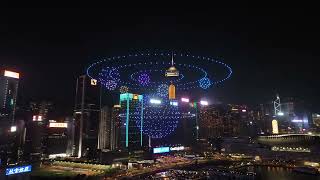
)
(277, 106)
(131, 117)
(86, 116)
(115, 127)
(8, 96)
(104, 134)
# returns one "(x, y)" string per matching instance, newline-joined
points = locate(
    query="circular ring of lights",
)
(125, 64)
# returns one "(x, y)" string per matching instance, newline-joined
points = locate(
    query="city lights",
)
(299, 121)
(161, 150)
(244, 110)
(174, 103)
(11, 74)
(185, 100)
(275, 127)
(58, 125)
(36, 118)
(13, 129)
(280, 113)
(204, 103)
(155, 101)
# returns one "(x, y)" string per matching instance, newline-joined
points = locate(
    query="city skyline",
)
(265, 58)
(106, 93)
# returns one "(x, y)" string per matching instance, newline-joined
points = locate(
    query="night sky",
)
(270, 50)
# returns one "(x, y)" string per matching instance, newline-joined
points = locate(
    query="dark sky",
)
(270, 50)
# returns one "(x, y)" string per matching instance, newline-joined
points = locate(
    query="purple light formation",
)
(144, 79)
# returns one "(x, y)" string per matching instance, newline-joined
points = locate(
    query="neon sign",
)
(161, 150)
(18, 170)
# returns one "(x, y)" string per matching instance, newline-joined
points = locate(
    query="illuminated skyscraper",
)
(131, 117)
(8, 96)
(115, 127)
(210, 122)
(86, 117)
(104, 134)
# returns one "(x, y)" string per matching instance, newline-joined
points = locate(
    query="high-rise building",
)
(210, 122)
(42, 109)
(86, 117)
(8, 96)
(9, 131)
(104, 134)
(56, 140)
(131, 117)
(35, 140)
(115, 127)
(316, 119)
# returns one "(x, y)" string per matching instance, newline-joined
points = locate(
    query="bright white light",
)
(53, 156)
(58, 125)
(179, 148)
(280, 113)
(13, 128)
(11, 74)
(310, 133)
(155, 101)
(173, 103)
(299, 121)
(204, 103)
(184, 99)
(244, 110)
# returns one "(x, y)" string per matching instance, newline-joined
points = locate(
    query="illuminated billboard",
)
(11, 74)
(58, 125)
(275, 129)
(178, 148)
(18, 170)
(161, 150)
(36, 118)
(184, 99)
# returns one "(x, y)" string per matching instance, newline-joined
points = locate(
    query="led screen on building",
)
(161, 150)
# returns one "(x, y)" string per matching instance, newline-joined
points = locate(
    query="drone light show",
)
(147, 74)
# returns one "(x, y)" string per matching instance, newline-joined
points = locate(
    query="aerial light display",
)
(144, 79)
(123, 89)
(137, 70)
(144, 72)
(204, 83)
(163, 90)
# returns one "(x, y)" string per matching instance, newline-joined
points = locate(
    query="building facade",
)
(86, 117)
(131, 117)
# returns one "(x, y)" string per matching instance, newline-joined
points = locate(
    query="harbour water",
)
(259, 173)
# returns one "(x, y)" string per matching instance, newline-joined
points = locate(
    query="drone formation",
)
(153, 75)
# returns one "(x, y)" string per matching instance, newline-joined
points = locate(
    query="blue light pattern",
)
(115, 75)
(163, 90)
(204, 83)
(144, 79)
